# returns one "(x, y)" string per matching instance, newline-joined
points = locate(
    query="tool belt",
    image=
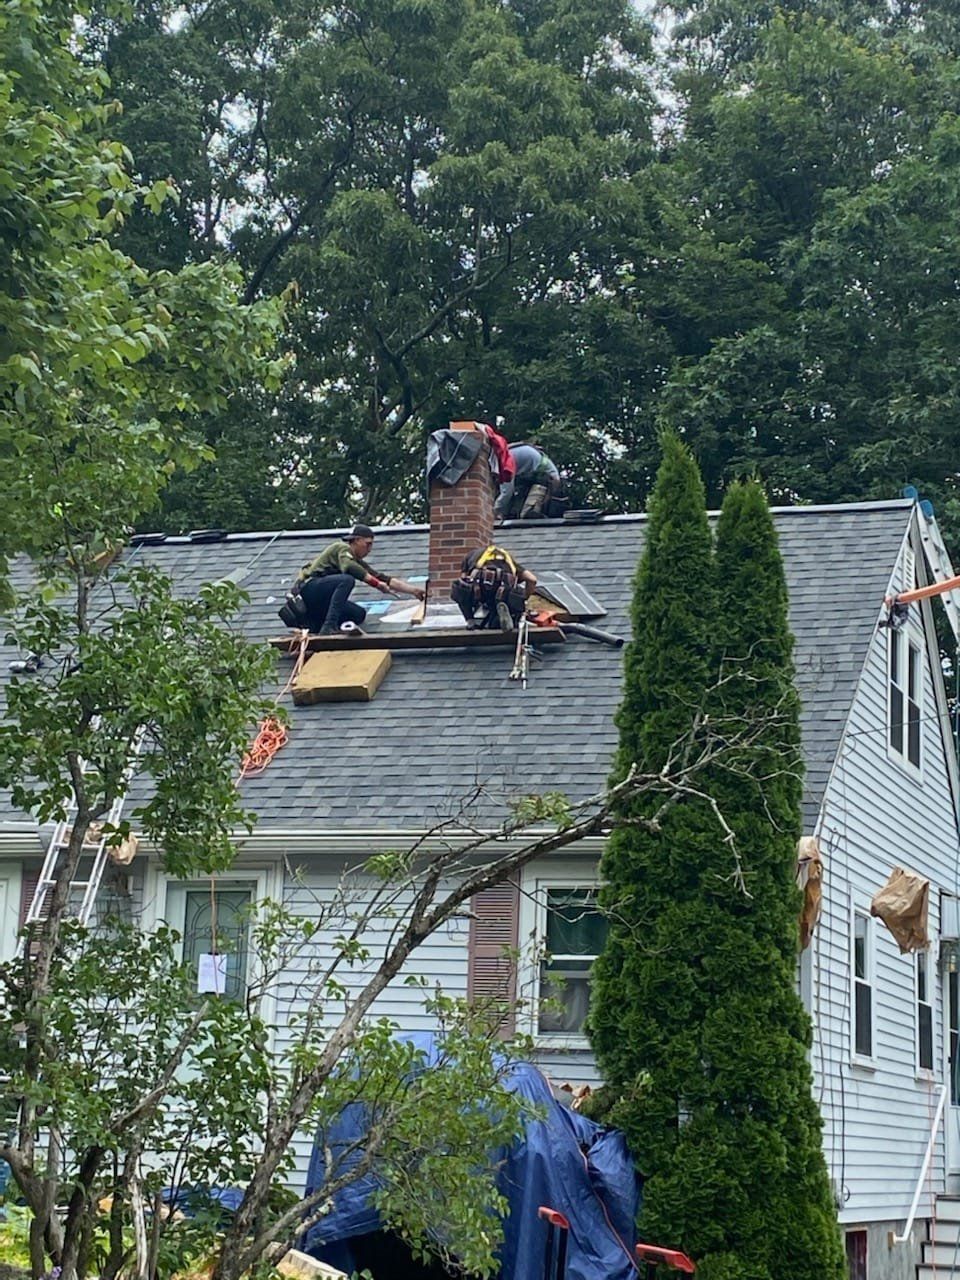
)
(489, 584)
(293, 611)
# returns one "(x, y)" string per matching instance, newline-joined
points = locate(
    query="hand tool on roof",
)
(547, 618)
(421, 610)
(524, 652)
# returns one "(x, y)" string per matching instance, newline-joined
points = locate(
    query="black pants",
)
(327, 601)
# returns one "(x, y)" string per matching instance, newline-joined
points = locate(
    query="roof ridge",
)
(638, 517)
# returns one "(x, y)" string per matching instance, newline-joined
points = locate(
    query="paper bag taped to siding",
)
(902, 906)
(810, 880)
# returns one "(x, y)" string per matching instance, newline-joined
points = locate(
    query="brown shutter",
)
(492, 961)
(28, 887)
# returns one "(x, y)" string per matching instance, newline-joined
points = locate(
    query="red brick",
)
(461, 518)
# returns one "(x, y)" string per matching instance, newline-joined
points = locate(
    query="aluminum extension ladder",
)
(938, 558)
(83, 891)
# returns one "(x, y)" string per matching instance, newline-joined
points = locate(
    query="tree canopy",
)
(741, 230)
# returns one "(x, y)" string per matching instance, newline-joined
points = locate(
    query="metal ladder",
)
(99, 850)
(938, 558)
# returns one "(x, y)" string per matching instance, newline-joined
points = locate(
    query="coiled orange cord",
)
(271, 734)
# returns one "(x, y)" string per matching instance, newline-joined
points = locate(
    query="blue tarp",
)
(564, 1161)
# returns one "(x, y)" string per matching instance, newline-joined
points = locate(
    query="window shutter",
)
(28, 887)
(492, 962)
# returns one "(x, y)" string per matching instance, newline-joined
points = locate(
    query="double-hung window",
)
(905, 696)
(862, 985)
(572, 934)
(924, 1013)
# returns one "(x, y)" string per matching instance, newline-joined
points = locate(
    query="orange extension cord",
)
(271, 734)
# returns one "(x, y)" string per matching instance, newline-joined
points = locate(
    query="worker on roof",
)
(492, 588)
(320, 599)
(529, 490)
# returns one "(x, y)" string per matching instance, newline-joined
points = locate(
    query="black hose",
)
(592, 633)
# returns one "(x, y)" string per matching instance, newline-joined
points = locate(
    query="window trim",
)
(868, 980)
(181, 892)
(924, 1072)
(903, 645)
(533, 907)
(268, 877)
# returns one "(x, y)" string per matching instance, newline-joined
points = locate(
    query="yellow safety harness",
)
(493, 552)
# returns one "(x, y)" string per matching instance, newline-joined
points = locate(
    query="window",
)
(924, 1013)
(189, 911)
(862, 986)
(953, 1019)
(906, 684)
(573, 932)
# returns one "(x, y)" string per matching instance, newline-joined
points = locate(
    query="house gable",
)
(879, 811)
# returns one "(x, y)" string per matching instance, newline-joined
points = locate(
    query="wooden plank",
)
(422, 638)
(347, 676)
(300, 1266)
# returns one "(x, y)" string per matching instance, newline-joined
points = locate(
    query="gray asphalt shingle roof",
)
(444, 722)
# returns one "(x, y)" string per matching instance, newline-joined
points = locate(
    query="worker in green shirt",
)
(323, 586)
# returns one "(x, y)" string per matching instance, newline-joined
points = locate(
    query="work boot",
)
(532, 508)
(504, 617)
(329, 629)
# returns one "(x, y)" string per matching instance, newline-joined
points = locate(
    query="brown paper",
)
(123, 854)
(810, 880)
(902, 906)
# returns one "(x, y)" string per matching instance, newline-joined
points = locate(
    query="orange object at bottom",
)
(271, 736)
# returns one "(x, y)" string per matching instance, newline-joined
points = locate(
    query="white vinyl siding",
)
(440, 961)
(878, 814)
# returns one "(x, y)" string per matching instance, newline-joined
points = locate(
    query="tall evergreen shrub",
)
(715, 1090)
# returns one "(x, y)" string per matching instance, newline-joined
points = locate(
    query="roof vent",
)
(147, 539)
(587, 515)
(207, 535)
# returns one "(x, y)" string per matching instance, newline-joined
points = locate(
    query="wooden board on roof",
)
(421, 638)
(348, 676)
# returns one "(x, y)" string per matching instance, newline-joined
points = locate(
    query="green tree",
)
(712, 1081)
(445, 183)
(103, 365)
(643, 1012)
(824, 155)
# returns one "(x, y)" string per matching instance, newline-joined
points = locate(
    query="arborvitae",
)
(646, 1003)
(724, 1123)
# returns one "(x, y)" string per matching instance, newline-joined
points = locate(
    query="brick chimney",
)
(461, 517)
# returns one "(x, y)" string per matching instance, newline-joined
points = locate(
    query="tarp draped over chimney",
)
(461, 509)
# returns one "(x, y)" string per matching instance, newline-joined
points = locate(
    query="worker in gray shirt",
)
(526, 492)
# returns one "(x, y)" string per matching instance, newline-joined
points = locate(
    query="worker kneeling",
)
(492, 588)
(319, 600)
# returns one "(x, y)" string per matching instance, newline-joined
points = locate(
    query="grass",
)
(13, 1244)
